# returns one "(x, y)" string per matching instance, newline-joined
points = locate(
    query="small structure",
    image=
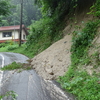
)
(12, 33)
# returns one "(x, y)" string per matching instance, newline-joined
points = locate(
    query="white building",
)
(12, 33)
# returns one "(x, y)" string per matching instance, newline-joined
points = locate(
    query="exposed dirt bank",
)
(55, 60)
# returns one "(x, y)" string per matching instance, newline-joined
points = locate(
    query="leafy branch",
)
(9, 93)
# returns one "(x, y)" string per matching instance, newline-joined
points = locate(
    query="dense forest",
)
(30, 13)
(4, 8)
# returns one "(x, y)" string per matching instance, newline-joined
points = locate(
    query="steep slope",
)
(55, 60)
(94, 54)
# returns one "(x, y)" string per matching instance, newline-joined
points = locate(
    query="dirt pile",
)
(55, 60)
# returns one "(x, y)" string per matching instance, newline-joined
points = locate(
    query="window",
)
(24, 37)
(7, 34)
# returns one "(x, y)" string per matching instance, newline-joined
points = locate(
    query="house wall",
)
(23, 33)
(15, 35)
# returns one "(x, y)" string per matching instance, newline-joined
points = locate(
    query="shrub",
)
(3, 45)
(12, 47)
(82, 85)
(95, 9)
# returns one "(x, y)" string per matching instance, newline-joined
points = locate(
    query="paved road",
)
(27, 84)
(0, 60)
(11, 57)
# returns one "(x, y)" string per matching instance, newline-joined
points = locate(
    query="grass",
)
(16, 49)
(31, 50)
(81, 84)
(15, 65)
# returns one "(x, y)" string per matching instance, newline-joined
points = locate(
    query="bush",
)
(42, 34)
(95, 9)
(82, 85)
(12, 47)
(83, 40)
(3, 45)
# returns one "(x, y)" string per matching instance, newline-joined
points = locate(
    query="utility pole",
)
(21, 15)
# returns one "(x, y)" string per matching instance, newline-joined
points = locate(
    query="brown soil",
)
(55, 60)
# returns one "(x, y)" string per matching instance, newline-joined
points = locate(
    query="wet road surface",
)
(11, 57)
(28, 85)
(0, 60)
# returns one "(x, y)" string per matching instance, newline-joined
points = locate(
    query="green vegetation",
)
(82, 41)
(8, 47)
(9, 93)
(95, 9)
(5, 7)
(15, 65)
(81, 84)
(95, 59)
(42, 35)
(77, 81)
(30, 12)
(49, 29)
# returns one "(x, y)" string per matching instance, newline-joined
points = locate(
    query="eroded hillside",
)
(55, 60)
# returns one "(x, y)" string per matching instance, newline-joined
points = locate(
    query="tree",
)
(30, 12)
(4, 7)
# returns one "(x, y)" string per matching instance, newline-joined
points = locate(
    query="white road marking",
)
(2, 60)
(1, 72)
